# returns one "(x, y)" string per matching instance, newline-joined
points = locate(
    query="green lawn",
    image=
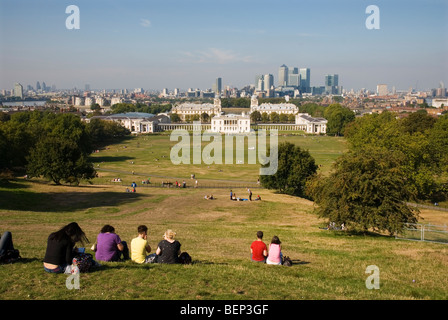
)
(216, 233)
(148, 156)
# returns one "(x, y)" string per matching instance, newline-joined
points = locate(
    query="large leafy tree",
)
(59, 159)
(366, 190)
(295, 166)
(418, 139)
(338, 117)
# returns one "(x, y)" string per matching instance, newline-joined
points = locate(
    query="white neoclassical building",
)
(279, 108)
(191, 109)
(231, 123)
(137, 122)
(311, 125)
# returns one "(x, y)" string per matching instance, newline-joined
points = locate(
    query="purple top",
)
(106, 244)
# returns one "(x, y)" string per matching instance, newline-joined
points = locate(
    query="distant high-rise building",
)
(283, 75)
(294, 80)
(87, 87)
(44, 86)
(217, 86)
(268, 81)
(38, 85)
(332, 84)
(331, 80)
(18, 90)
(305, 80)
(258, 77)
(381, 90)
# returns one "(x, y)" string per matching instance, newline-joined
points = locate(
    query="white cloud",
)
(214, 55)
(145, 23)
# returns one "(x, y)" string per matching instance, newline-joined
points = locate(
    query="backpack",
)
(185, 258)
(84, 261)
(10, 256)
(287, 261)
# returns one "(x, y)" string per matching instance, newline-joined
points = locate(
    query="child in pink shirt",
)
(275, 252)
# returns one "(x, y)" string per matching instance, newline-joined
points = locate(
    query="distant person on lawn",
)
(258, 249)
(140, 246)
(109, 246)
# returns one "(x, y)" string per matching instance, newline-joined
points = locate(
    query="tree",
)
(283, 118)
(338, 117)
(418, 122)
(59, 159)
(295, 166)
(102, 131)
(421, 150)
(255, 116)
(264, 117)
(205, 117)
(366, 190)
(175, 117)
(291, 117)
(274, 117)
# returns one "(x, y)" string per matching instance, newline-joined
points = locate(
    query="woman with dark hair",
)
(109, 246)
(61, 247)
(275, 252)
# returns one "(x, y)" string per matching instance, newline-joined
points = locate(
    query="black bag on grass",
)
(184, 258)
(10, 256)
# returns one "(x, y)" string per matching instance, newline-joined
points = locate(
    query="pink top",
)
(274, 253)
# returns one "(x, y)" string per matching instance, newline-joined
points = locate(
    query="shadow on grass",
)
(21, 200)
(111, 159)
(298, 261)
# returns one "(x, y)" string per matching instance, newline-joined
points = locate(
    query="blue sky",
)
(183, 44)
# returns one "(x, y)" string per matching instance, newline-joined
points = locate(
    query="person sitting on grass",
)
(258, 249)
(8, 253)
(275, 252)
(168, 250)
(61, 248)
(140, 246)
(109, 246)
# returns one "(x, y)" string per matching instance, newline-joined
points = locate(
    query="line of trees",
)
(55, 146)
(140, 107)
(390, 161)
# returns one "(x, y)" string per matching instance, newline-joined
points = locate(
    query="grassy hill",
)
(216, 233)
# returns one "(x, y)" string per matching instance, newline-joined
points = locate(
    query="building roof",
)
(310, 118)
(277, 106)
(193, 106)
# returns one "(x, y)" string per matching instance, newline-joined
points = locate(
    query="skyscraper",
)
(217, 87)
(293, 77)
(18, 90)
(381, 90)
(305, 80)
(283, 75)
(332, 84)
(38, 85)
(331, 80)
(268, 81)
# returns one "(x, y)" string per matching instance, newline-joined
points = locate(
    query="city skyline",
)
(175, 44)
